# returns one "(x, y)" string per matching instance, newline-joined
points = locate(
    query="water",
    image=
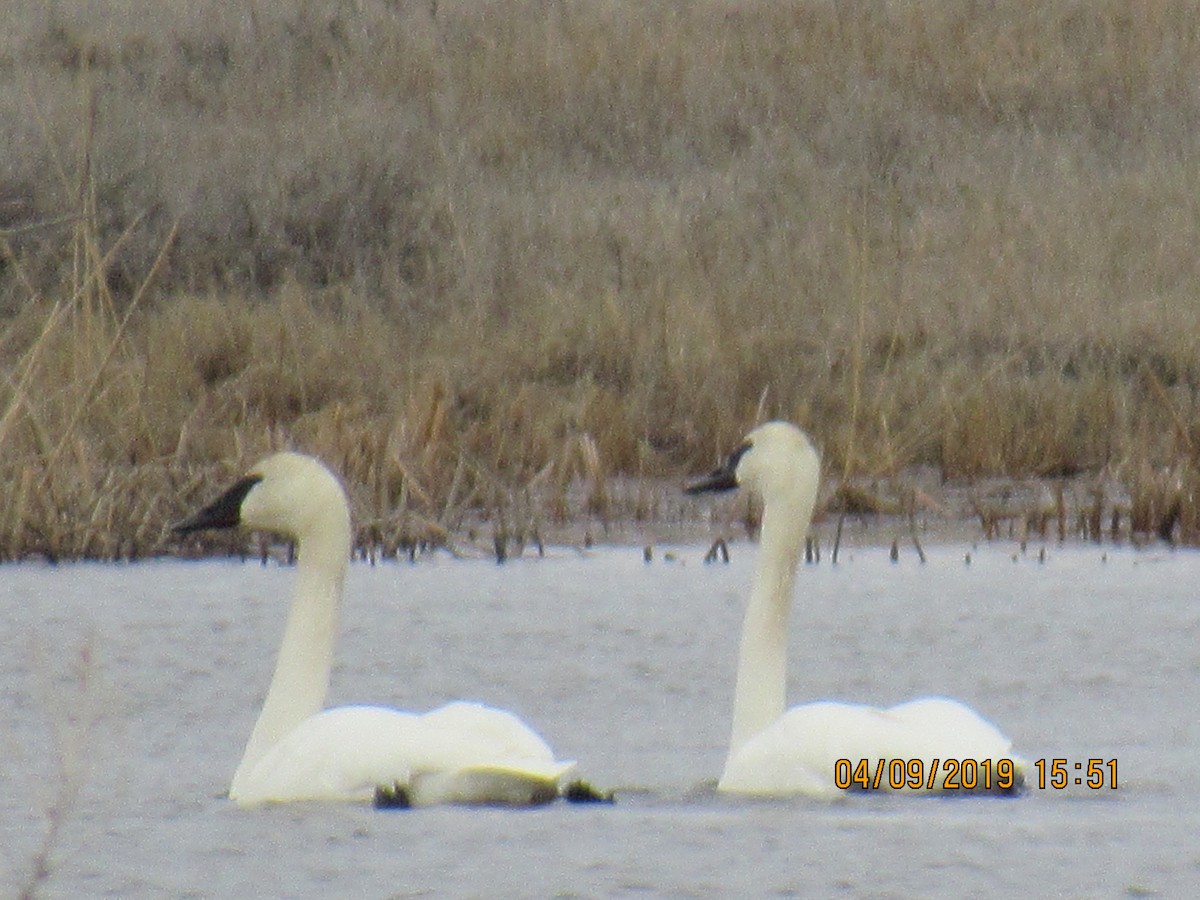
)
(151, 676)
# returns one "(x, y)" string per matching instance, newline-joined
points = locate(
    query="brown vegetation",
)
(511, 261)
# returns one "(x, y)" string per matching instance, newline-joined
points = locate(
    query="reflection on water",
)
(140, 685)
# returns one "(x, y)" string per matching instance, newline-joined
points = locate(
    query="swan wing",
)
(799, 752)
(942, 729)
(949, 729)
(346, 752)
(506, 762)
(503, 733)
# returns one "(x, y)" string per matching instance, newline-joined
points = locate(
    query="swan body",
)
(298, 750)
(799, 752)
(773, 752)
(459, 753)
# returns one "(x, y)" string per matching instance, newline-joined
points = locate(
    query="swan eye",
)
(224, 512)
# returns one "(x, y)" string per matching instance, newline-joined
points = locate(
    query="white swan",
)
(460, 753)
(772, 752)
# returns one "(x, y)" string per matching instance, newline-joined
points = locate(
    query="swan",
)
(775, 753)
(460, 753)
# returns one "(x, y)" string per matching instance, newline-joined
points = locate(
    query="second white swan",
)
(773, 752)
(459, 753)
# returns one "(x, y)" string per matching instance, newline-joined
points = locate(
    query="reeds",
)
(510, 267)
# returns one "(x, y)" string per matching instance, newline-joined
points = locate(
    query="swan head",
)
(775, 460)
(287, 493)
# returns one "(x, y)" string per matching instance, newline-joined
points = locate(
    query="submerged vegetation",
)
(510, 265)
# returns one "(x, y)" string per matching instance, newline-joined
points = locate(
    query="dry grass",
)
(500, 262)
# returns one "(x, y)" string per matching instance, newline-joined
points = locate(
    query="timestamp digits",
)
(1058, 774)
(917, 774)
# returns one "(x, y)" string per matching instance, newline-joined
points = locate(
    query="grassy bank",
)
(513, 263)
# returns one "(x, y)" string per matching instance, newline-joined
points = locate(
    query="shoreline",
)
(1017, 511)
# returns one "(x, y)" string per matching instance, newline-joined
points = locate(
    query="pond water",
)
(138, 685)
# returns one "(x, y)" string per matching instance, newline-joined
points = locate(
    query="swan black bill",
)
(224, 512)
(721, 479)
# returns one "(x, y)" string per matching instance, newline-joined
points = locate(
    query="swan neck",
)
(301, 680)
(760, 694)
